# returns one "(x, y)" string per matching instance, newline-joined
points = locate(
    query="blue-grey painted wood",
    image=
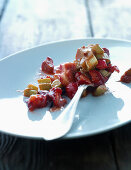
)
(29, 23)
(111, 18)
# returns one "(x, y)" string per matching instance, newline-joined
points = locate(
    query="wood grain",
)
(26, 154)
(111, 18)
(87, 153)
(122, 142)
(29, 23)
(2, 3)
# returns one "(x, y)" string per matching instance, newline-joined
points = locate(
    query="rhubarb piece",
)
(44, 80)
(45, 86)
(105, 73)
(29, 92)
(100, 90)
(85, 59)
(32, 87)
(97, 50)
(56, 83)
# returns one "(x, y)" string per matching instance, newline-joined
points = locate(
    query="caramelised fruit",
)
(37, 101)
(97, 78)
(71, 89)
(92, 66)
(55, 96)
(101, 64)
(112, 68)
(48, 66)
(66, 73)
(44, 97)
(82, 78)
(126, 77)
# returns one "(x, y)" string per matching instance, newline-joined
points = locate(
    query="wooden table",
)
(26, 23)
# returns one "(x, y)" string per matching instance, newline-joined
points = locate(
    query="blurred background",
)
(27, 23)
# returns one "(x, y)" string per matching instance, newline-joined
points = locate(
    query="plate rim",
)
(65, 40)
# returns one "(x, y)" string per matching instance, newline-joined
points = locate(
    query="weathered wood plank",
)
(2, 3)
(29, 23)
(87, 153)
(111, 18)
(26, 154)
(122, 143)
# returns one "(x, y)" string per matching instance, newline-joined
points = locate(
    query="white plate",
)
(94, 114)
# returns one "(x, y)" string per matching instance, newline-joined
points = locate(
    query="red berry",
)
(37, 101)
(48, 66)
(56, 90)
(111, 68)
(55, 96)
(106, 51)
(82, 79)
(101, 64)
(71, 89)
(97, 78)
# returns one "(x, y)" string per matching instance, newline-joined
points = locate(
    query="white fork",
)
(53, 129)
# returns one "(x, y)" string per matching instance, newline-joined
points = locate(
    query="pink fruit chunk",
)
(48, 66)
(71, 89)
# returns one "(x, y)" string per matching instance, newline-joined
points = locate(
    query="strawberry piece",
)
(106, 51)
(67, 72)
(71, 89)
(126, 77)
(111, 68)
(97, 78)
(81, 52)
(56, 90)
(48, 66)
(55, 96)
(82, 79)
(101, 64)
(37, 101)
(67, 66)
